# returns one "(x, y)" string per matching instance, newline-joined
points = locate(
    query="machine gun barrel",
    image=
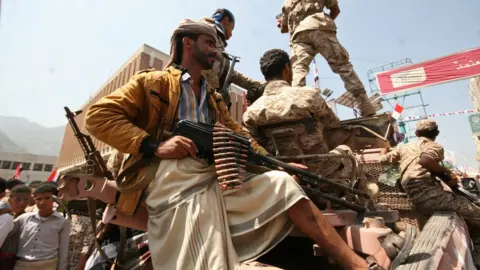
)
(204, 135)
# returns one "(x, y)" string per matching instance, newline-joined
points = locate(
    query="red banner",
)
(453, 67)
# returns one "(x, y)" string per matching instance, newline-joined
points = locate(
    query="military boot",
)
(364, 105)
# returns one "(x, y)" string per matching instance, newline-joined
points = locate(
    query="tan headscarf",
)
(188, 26)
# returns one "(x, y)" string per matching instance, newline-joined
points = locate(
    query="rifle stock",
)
(202, 135)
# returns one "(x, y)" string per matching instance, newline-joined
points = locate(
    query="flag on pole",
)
(316, 79)
(53, 176)
(397, 111)
(18, 171)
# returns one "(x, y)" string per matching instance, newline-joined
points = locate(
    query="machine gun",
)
(95, 165)
(232, 155)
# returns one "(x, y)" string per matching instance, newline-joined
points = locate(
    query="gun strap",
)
(92, 213)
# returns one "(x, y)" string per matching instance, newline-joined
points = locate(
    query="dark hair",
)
(14, 182)
(179, 46)
(273, 63)
(3, 185)
(46, 188)
(430, 134)
(35, 183)
(20, 190)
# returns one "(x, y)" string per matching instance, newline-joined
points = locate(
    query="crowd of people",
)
(35, 231)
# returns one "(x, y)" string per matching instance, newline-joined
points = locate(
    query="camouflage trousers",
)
(81, 237)
(447, 201)
(307, 44)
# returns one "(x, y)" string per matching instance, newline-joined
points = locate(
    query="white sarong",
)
(194, 225)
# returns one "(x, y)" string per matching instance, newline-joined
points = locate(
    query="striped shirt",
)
(189, 107)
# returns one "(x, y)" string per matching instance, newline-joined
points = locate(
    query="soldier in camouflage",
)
(224, 22)
(81, 238)
(313, 31)
(290, 121)
(419, 161)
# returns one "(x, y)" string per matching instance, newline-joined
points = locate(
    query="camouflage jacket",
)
(303, 15)
(416, 180)
(283, 106)
(81, 237)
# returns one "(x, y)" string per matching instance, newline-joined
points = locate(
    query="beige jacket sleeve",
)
(244, 81)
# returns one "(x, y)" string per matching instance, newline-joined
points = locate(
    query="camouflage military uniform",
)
(285, 107)
(216, 76)
(81, 237)
(311, 32)
(426, 193)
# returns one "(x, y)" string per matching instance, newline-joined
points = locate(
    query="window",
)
(48, 168)
(15, 165)
(26, 166)
(6, 165)
(37, 167)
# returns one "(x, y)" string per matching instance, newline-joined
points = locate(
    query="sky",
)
(56, 53)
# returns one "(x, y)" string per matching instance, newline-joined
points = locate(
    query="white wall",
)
(35, 167)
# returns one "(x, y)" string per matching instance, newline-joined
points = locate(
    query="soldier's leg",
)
(301, 58)
(327, 44)
(455, 203)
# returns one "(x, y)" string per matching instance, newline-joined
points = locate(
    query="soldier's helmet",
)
(427, 125)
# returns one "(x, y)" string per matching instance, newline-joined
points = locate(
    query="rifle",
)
(446, 177)
(95, 165)
(252, 94)
(232, 153)
(226, 83)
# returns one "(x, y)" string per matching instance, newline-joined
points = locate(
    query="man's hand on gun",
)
(449, 178)
(176, 147)
(300, 166)
(454, 180)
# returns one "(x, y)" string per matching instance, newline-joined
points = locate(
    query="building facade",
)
(474, 93)
(71, 158)
(34, 167)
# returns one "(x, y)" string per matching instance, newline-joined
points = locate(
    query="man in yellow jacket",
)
(192, 223)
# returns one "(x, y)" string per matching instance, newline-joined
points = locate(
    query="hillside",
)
(22, 136)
